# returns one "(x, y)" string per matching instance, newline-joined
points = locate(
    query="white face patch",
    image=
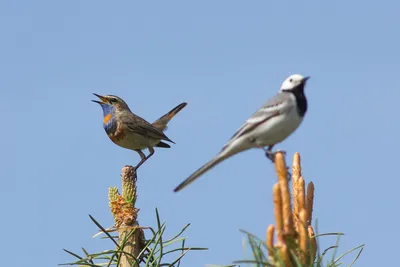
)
(292, 81)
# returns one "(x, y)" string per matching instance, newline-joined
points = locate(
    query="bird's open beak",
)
(102, 98)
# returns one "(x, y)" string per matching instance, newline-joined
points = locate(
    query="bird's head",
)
(111, 103)
(294, 82)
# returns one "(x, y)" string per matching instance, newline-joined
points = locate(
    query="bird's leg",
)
(151, 150)
(143, 158)
(270, 155)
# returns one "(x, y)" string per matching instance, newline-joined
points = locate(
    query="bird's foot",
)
(135, 169)
(271, 156)
(288, 174)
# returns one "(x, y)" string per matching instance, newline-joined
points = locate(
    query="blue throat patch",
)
(109, 123)
(107, 109)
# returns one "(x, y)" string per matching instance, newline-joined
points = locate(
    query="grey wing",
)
(273, 107)
(142, 127)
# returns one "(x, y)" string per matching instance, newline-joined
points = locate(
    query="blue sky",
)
(225, 58)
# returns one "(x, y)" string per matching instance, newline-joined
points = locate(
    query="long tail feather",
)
(206, 167)
(161, 123)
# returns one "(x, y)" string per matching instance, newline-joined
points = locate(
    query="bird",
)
(276, 120)
(132, 132)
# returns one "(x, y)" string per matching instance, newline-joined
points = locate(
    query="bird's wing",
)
(273, 107)
(142, 127)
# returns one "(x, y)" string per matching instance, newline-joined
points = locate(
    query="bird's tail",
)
(201, 171)
(161, 123)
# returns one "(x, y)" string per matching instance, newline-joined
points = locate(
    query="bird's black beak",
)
(306, 78)
(102, 98)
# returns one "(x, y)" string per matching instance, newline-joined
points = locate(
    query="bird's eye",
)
(113, 100)
(291, 80)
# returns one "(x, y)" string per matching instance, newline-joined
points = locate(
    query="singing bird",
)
(278, 118)
(130, 131)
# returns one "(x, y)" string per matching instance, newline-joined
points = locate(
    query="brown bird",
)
(130, 131)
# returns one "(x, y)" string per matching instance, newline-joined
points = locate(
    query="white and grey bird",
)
(278, 118)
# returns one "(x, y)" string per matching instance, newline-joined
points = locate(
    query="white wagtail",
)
(271, 124)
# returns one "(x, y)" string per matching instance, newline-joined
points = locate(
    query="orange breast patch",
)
(107, 118)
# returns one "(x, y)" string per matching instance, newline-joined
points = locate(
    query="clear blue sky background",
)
(225, 58)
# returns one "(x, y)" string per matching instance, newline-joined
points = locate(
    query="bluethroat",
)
(130, 131)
